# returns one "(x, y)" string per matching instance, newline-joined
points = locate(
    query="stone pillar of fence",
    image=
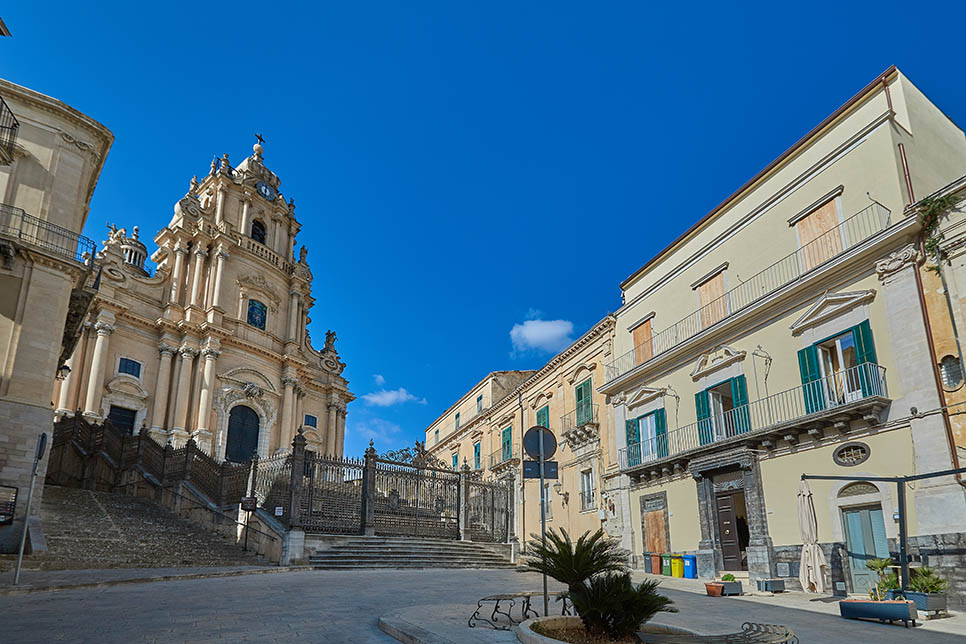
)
(464, 506)
(368, 523)
(223, 474)
(295, 487)
(189, 457)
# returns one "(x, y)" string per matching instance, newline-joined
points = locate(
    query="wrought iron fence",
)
(835, 390)
(273, 478)
(332, 494)
(9, 125)
(488, 508)
(829, 245)
(583, 415)
(17, 224)
(410, 500)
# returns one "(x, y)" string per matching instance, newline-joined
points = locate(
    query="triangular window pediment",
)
(718, 358)
(829, 306)
(644, 395)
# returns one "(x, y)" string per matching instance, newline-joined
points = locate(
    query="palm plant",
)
(610, 605)
(574, 563)
(927, 581)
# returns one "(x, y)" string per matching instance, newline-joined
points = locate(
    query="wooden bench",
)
(751, 633)
(526, 610)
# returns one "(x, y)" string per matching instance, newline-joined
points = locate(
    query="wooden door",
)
(865, 540)
(713, 302)
(654, 525)
(728, 531)
(643, 348)
(819, 235)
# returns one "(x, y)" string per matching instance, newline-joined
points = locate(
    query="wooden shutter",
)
(643, 349)
(633, 434)
(711, 297)
(660, 432)
(739, 397)
(703, 407)
(868, 374)
(543, 416)
(819, 235)
(811, 380)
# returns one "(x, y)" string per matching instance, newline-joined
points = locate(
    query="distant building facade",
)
(51, 156)
(214, 345)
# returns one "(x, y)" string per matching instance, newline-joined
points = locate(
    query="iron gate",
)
(488, 511)
(332, 494)
(412, 500)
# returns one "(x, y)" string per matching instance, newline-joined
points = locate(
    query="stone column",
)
(340, 439)
(164, 384)
(285, 432)
(331, 430)
(293, 316)
(95, 388)
(184, 389)
(177, 277)
(221, 256)
(67, 384)
(210, 355)
(245, 214)
(220, 206)
(299, 416)
(196, 266)
(276, 235)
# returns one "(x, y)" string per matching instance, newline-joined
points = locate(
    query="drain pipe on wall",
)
(523, 481)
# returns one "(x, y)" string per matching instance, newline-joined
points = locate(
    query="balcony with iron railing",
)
(581, 425)
(17, 224)
(504, 457)
(808, 258)
(588, 500)
(831, 401)
(9, 125)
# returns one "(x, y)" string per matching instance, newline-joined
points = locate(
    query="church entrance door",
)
(242, 434)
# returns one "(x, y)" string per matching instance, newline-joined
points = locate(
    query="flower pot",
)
(731, 587)
(771, 585)
(927, 601)
(714, 589)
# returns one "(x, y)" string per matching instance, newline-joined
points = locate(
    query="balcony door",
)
(837, 361)
(840, 369)
(723, 410)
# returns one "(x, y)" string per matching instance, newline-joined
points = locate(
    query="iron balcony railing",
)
(9, 125)
(17, 224)
(583, 415)
(504, 454)
(829, 245)
(841, 388)
(588, 500)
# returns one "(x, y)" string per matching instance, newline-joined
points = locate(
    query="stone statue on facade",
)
(330, 338)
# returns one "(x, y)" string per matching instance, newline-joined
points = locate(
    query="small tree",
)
(574, 563)
(888, 579)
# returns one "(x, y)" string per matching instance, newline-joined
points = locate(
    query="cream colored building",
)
(740, 365)
(51, 156)
(214, 344)
(562, 395)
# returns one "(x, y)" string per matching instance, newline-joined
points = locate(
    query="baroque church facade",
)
(214, 345)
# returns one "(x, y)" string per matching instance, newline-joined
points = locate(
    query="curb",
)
(26, 590)
(407, 633)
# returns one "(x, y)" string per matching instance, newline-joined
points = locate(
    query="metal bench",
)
(526, 610)
(751, 633)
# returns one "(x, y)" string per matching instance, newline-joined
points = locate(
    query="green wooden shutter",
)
(633, 434)
(456, 461)
(865, 352)
(739, 396)
(703, 407)
(543, 416)
(660, 432)
(506, 443)
(582, 394)
(811, 380)
(476, 455)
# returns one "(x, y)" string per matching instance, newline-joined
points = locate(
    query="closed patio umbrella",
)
(813, 564)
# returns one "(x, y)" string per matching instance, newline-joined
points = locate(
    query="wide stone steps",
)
(86, 529)
(397, 552)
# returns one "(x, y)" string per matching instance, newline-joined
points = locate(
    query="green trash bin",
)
(666, 564)
(677, 566)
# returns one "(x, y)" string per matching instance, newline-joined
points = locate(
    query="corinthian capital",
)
(210, 353)
(103, 328)
(290, 382)
(187, 353)
(166, 349)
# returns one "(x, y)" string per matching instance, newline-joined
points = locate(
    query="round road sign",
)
(531, 442)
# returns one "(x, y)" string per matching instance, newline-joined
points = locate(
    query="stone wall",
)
(946, 554)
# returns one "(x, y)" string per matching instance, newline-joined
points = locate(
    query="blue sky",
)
(473, 179)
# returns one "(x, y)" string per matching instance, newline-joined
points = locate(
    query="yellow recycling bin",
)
(677, 566)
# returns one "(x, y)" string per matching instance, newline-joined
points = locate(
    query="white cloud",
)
(380, 380)
(547, 336)
(384, 398)
(382, 432)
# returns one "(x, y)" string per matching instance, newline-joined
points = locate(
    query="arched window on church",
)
(258, 232)
(257, 312)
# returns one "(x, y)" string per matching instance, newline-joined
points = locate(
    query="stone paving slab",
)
(441, 624)
(33, 581)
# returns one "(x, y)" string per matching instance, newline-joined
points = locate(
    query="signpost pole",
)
(41, 447)
(543, 524)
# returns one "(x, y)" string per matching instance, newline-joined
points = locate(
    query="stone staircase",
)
(86, 529)
(403, 552)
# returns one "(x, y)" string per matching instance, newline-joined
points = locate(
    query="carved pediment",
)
(128, 386)
(583, 372)
(644, 395)
(717, 358)
(260, 284)
(242, 376)
(542, 399)
(829, 306)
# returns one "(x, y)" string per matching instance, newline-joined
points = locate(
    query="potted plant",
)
(729, 585)
(608, 604)
(887, 585)
(714, 588)
(927, 590)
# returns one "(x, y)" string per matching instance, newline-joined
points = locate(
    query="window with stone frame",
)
(311, 421)
(130, 367)
(258, 232)
(257, 314)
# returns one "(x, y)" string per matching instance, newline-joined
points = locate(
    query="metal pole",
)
(903, 557)
(246, 530)
(39, 454)
(543, 524)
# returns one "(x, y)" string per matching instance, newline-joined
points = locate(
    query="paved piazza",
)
(344, 607)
